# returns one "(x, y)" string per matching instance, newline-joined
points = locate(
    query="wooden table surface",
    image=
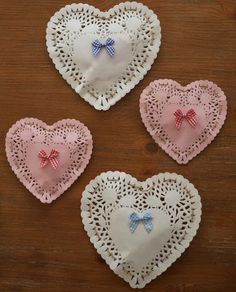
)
(44, 247)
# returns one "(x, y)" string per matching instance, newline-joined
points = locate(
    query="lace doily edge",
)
(114, 99)
(159, 142)
(108, 259)
(47, 127)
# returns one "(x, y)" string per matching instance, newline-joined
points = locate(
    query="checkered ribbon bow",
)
(97, 46)
(135, 219)
(190, 116)
(51, 158)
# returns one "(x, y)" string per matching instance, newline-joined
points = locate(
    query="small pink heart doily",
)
(161, 100)
(48, 159)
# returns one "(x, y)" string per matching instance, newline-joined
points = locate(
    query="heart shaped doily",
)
(104, 71)
(48, 159)
(140, 228)
(183, 120)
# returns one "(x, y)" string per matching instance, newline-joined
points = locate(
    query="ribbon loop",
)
(146, 219)
(97, 46)
(190, 116)
(51, 158)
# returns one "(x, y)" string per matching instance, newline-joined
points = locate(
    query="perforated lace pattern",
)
(153, 101)
(60, 45)
(80, 152)
(184, 217)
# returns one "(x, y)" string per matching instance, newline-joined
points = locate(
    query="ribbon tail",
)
(96, 47)
(110, 50)
(96, 50)
(178, 118)
(192, 121)
(54, 162)
(148, 226)
(44, 162)
(179, 122)
(133, 226)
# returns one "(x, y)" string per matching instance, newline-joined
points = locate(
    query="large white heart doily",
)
(102, 73)
(140, 228)
(48, 159)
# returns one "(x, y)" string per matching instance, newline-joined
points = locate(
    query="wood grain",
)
(44, 247)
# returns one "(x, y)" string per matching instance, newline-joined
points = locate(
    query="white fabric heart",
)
(140, 255)
(102, 80)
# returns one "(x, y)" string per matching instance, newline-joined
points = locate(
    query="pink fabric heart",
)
(203, 106)
(48, 159)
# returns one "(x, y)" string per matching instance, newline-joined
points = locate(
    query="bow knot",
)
(190, 116)
(51, 158)
(146, 219)
(97, 46)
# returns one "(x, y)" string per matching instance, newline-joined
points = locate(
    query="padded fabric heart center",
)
(186, 134)
(47, 176)
(103, 70)
(140, 247)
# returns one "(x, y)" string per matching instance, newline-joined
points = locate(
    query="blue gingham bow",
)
(97, 46)
(146, 219)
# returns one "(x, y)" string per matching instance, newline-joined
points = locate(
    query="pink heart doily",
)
(28, 137)
(162, 98)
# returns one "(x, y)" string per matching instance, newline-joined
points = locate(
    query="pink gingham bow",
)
(190, 116)
(51, 158)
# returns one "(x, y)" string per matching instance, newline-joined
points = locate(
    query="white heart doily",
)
(103, 79)
(140, 228)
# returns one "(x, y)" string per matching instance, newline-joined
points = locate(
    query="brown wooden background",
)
(44, 247)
